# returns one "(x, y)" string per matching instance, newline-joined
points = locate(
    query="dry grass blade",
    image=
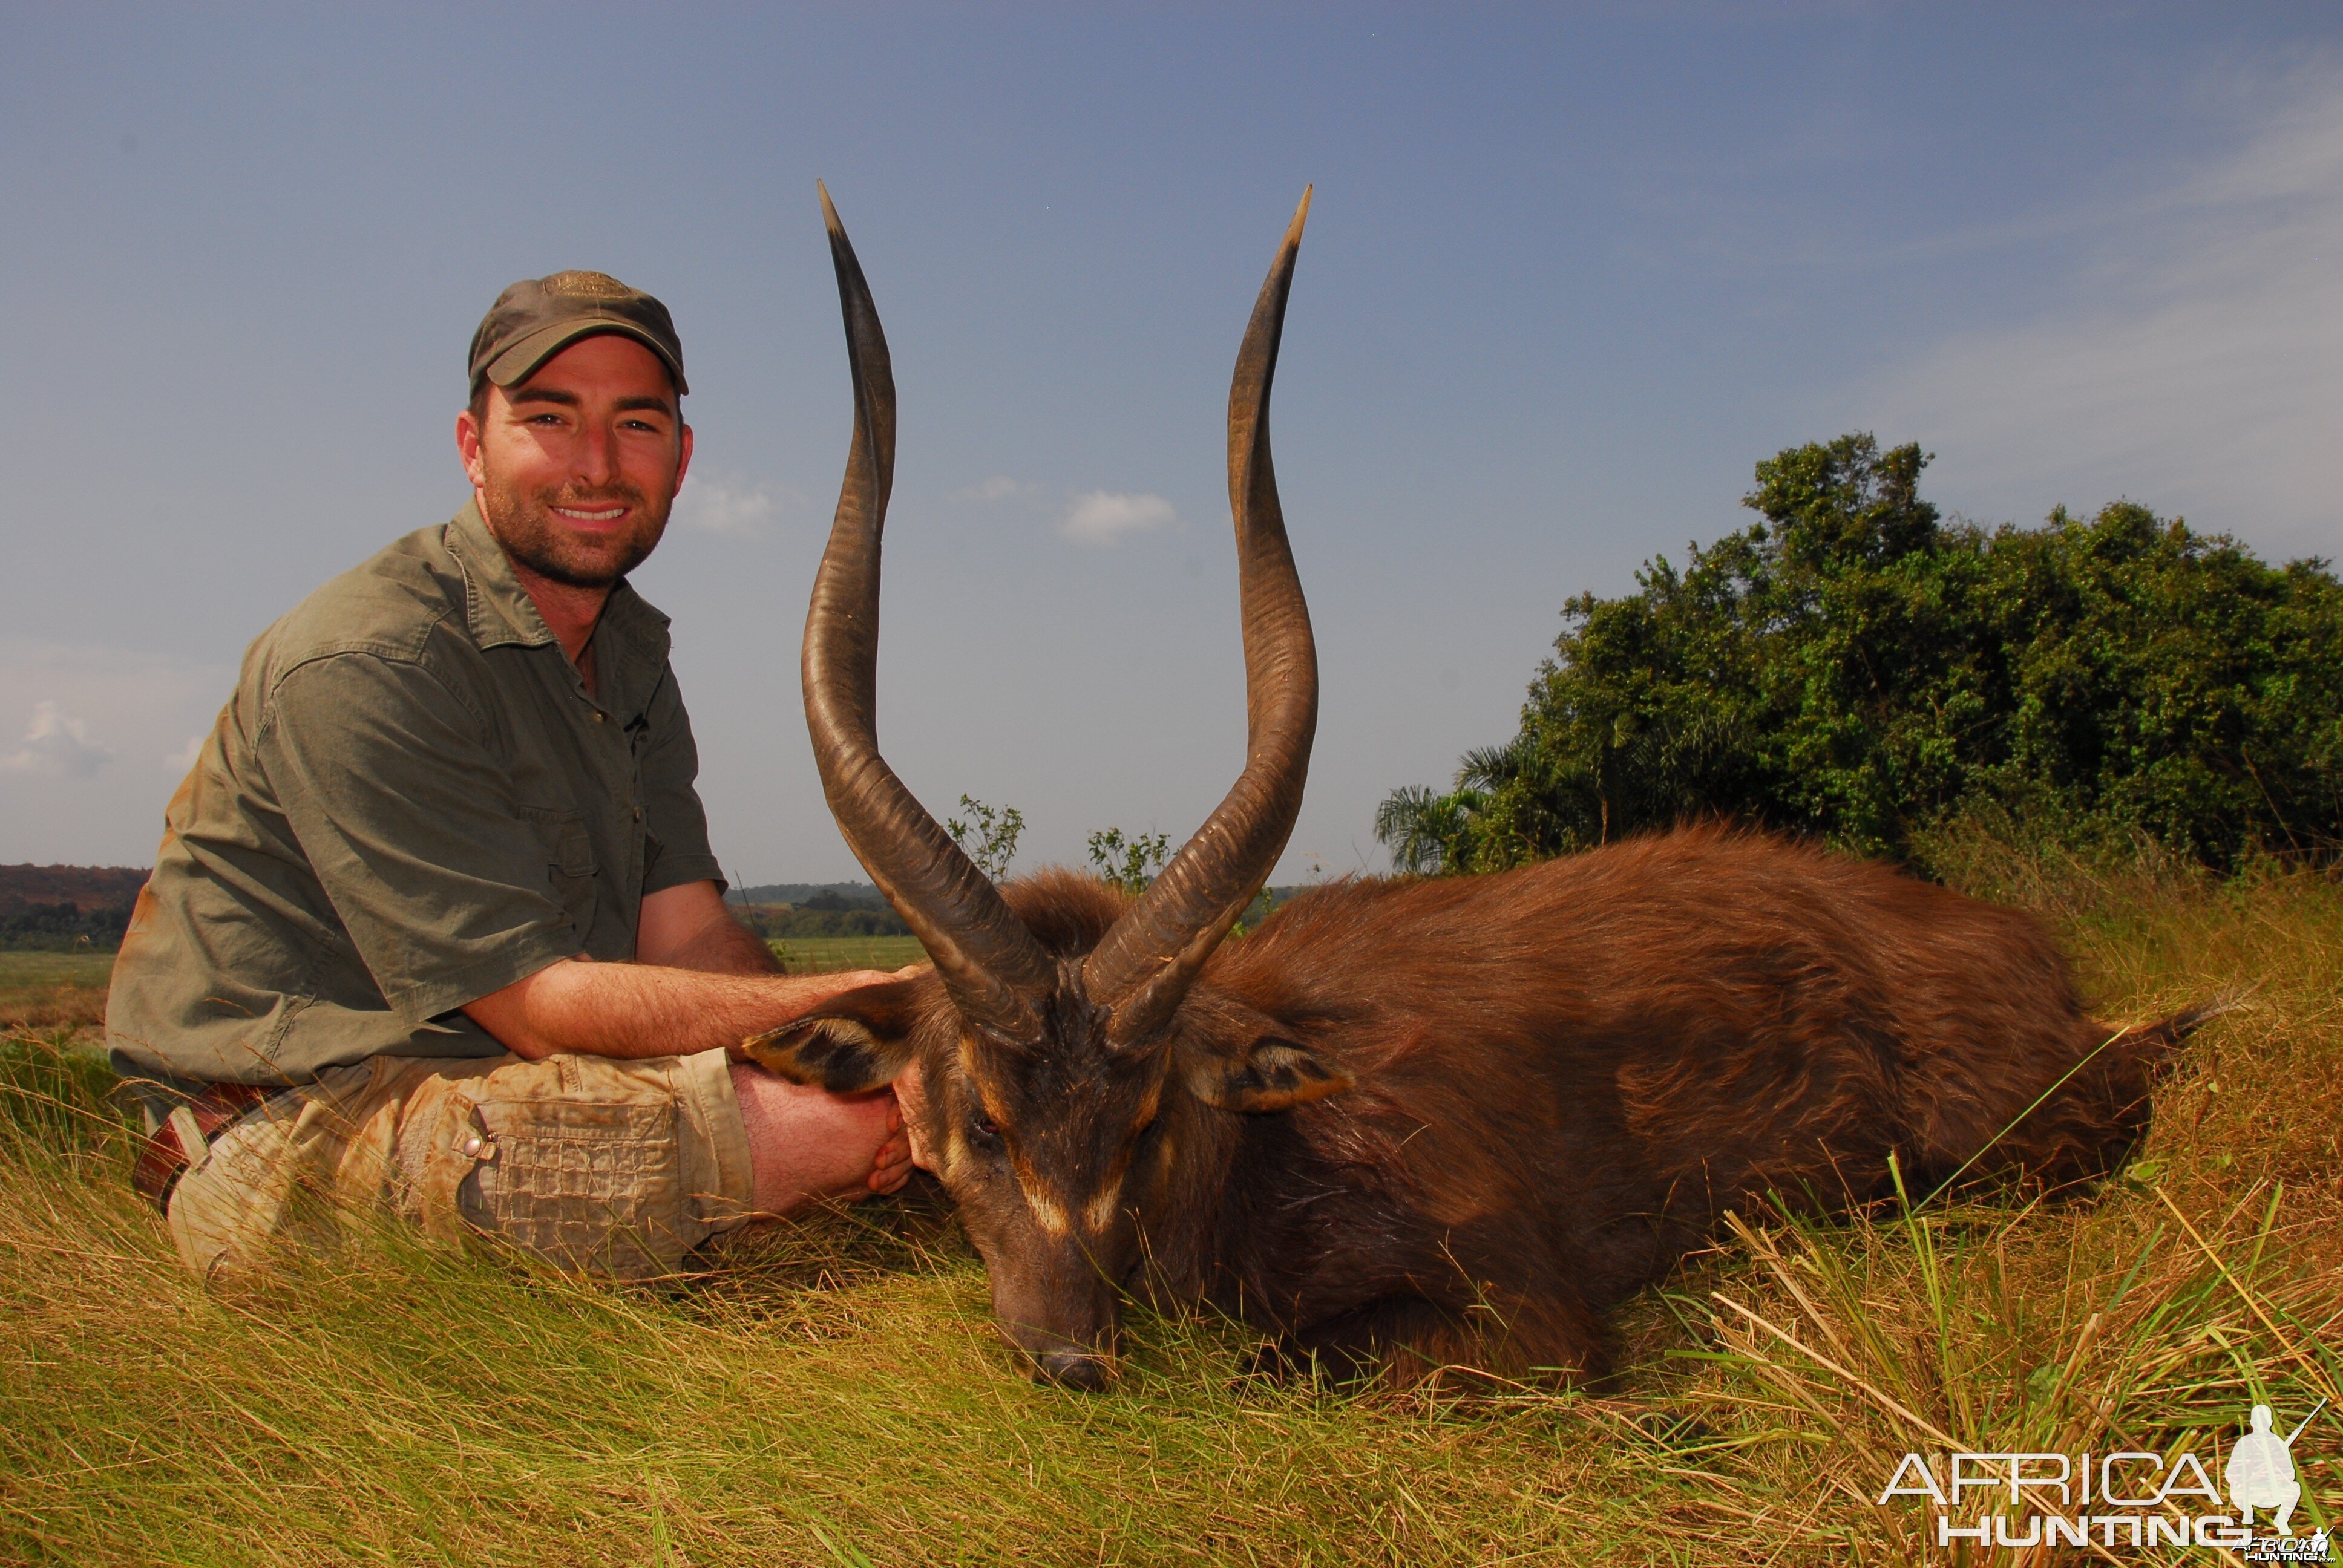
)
(1852, 1379)
(2312, 1371)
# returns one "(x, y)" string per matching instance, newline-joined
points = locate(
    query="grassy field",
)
(46, 990)
(825, 955)
(835, 1393)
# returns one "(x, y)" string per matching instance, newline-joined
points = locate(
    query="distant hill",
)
(782, 909)
(863, 896)
(89, 887)
(817, 910)
(59, 908)
(838, 895)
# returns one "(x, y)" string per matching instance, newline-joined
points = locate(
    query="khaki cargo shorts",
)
(613, 1168)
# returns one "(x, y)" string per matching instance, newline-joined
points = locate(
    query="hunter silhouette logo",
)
(2125, 1498)
(2261, 1471)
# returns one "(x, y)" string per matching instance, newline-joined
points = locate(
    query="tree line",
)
(823, 913)
(62, 927)
(1856, 668)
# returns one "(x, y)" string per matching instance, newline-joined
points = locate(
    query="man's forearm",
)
(643, 1009)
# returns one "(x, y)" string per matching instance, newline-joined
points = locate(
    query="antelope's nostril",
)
(1072, 1369)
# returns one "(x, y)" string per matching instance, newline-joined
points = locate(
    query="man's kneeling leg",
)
(617, 1168)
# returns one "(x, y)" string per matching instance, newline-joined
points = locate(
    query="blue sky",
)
(1570, 272)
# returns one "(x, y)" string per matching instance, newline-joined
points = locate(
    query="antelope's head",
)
(1063, 1055)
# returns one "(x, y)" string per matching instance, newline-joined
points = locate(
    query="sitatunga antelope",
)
(1406, 1126)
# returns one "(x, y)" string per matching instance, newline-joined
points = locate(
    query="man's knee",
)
(607, 1167)
(617, 1168)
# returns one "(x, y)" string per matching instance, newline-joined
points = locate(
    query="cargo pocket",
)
(588, 1184)
(569, 863)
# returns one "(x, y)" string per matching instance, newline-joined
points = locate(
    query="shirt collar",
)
(498, 611)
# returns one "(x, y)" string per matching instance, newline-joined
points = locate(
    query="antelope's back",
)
(1632, 1038)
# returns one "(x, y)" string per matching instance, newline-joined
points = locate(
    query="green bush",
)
(1854, 666)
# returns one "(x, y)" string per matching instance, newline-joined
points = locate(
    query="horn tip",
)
(830, 212)
(1301, 213)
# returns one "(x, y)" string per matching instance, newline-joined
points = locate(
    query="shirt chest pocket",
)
(569, 865)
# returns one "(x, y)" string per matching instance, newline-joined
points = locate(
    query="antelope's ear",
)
(1268, 1074)
(858, 1040)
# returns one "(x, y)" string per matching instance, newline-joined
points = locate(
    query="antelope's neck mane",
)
(1068, 912)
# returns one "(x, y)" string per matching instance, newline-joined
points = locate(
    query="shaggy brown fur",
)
(1414, 1125)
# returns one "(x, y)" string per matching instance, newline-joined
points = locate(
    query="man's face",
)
(577, 466)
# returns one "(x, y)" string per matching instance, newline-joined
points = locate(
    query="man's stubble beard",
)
(524, 524)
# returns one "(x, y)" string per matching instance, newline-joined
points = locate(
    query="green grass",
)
(38, 990)
(826, 955)
(29, 972)
(835, 1394)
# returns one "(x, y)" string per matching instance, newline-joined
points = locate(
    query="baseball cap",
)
(538, 317)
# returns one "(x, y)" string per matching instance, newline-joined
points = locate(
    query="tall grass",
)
(835, 1393)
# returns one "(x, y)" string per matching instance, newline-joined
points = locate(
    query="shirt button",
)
(639, 813)
(472, 1146)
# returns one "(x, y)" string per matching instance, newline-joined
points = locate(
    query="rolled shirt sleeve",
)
(445, 884)
(677, 823)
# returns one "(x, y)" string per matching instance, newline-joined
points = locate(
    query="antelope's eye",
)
(982, 1125)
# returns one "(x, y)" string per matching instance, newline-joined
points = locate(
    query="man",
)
(2260, 1473)
(434, 930)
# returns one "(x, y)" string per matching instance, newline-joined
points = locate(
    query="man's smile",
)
(578, 515)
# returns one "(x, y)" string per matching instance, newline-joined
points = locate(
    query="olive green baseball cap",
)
(538, 317)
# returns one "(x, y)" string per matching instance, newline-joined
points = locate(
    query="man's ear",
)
(1269, 1074)
(858, 1040)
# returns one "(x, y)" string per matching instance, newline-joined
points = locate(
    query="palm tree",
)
(1424, 831)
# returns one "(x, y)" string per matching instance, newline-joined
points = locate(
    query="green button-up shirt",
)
(409, 802)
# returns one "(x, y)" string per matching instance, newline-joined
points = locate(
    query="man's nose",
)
(594, 458)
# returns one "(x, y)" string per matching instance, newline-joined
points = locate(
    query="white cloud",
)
(57, 743)
(2198, 368)
(58, 800)
(727, 503)
(179, 762)
(1102, 516)
(998, 487)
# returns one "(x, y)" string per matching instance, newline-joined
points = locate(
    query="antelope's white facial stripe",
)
(1099, 1211)
(1047, 1214)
